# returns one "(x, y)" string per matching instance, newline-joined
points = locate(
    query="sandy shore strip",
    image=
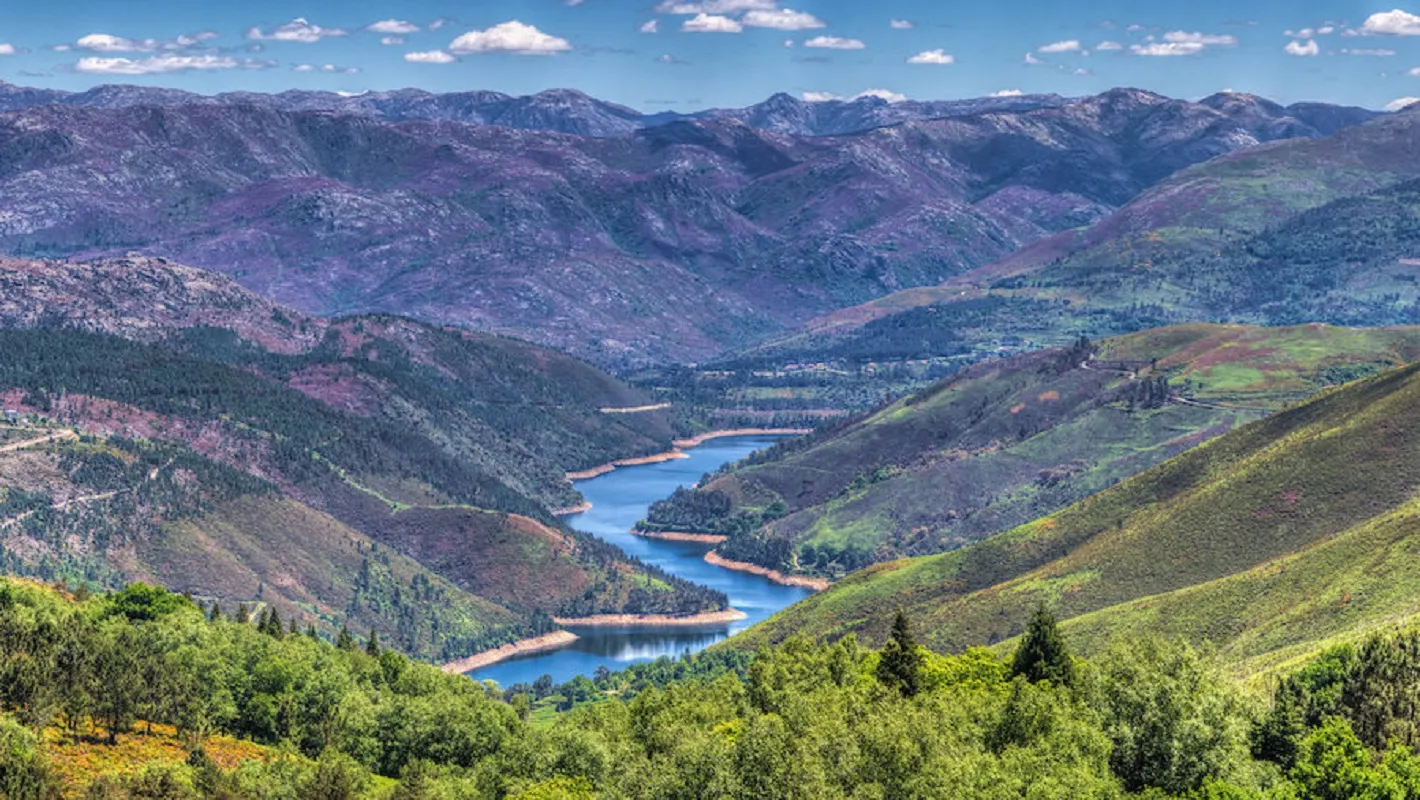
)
(537, 644)
(680, 536)
(652, 620)
(696, 441)
(682, 444)
(581, 508)
(817, 584)
(669, 455)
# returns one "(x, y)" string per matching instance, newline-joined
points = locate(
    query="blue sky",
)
(683, 54)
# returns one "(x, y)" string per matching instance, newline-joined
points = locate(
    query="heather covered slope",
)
(1266, 542)
(1298, 231)
(673, 243)
(1007, 441)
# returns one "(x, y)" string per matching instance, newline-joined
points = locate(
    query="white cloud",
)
(1392, 23)
(1167, 49)
(1070, 46)
(510, 37)
(1008, 93)
(1368, 52)
(391, 40)
(1205, 39)
(938, 56)
(1296, 48)
(105, 43)
(297, 30)
(438, 23)
(651, 26)
(902, 24)
(429, 57)
(789, 43)
(7, 49)
(835, 43)
(1414, 73)
(327, 68)
(687, 9)
(784, 19)
(168, 63)
(398, 27)
(1107, 46)
(1400, 103)
(881, 94)
(711, 23)
(1031, 59)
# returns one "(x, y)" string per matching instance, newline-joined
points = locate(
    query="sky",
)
(689, 54)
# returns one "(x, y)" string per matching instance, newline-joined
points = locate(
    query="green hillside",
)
(1008, 441)
(1266, 541)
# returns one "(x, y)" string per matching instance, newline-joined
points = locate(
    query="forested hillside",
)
(140, 694)
(372, 471)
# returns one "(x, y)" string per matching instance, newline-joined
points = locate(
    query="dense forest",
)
(350, 719)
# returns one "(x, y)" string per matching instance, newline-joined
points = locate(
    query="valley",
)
(407, 445)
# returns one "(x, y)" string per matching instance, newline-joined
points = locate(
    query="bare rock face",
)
(579, 223)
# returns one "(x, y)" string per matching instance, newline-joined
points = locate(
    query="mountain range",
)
(665, 242)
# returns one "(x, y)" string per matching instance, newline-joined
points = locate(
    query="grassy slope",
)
(1305, 518)
(1007, 442)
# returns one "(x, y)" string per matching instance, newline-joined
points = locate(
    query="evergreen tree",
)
(273, 624)
(243, 613)
(900, 662)
(344, 640)
(372, 645)
(216, 612)
(1042, 655)
(294, 629)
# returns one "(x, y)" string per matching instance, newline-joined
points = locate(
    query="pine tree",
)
(1042, 654)
(216, 612)
(294, 629)
(900, 663)
(274, 628)
(372, 645)
(243, 613)
(344, 640)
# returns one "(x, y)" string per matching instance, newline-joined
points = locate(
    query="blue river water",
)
(619, 499)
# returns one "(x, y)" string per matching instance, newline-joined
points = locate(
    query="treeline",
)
(1147, 718)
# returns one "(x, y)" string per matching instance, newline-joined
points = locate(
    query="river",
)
(619, 499)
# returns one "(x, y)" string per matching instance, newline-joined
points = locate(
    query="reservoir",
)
(619, 499)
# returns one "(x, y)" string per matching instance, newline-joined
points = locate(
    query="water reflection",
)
(618, 500)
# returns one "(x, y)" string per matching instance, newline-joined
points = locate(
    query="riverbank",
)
(537, 644)
(678, 536)
(640, 461)
(817, 584)
(581, 508)
(696, 441)
(652, 620)
(681, 444)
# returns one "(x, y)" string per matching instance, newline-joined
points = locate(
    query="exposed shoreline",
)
(681, 444)
(817, 584)
(652, 620)
(696, 441)
(537, 644)
(639, 461)
(580, 508)
(680, 536)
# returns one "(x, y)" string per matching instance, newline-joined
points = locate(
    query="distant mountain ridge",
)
(672, 242)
